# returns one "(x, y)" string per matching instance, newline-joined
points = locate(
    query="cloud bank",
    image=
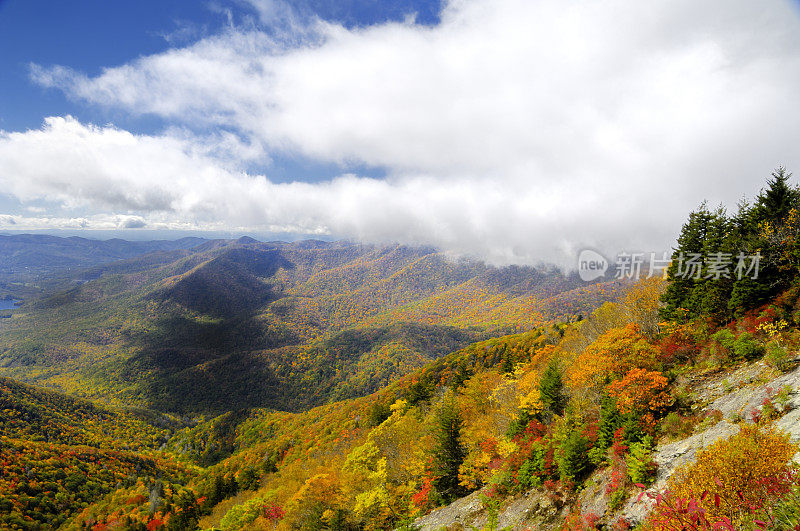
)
(515, 130)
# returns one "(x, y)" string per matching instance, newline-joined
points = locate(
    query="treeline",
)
(725, 265)
(39, 415)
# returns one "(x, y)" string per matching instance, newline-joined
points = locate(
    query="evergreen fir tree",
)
(681, 300)
(573, 457)
(768, 215)
(610, 421)
(450, 452)
(713, 290)
(774, 203)
(551, 389)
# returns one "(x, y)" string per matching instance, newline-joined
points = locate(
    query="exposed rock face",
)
(463, 511)
(736, 394)
(733, 404)
(790, 423)
(531, 510)
(741, 402)
(592, 498)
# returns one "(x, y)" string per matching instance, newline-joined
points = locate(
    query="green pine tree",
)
(610, 421)
(682, 296)
(450, 452)
(774, 203)
(573, 456)
(551, 389)
(775, 274)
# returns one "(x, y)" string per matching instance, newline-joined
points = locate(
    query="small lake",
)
(9, 304)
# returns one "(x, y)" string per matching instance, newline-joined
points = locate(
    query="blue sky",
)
(89, 35)
(514, 130)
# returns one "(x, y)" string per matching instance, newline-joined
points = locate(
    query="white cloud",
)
(105, 222)
(515, 129)
(167, 183)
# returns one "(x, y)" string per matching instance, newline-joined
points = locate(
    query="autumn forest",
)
(239, 384)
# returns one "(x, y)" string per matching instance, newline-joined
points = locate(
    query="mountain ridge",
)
(253, 320)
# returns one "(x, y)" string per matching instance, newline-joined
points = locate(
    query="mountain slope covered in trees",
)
(235, 324)
(565, 419)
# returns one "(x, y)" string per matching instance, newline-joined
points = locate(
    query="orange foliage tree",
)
(643, 392)
(613, 354)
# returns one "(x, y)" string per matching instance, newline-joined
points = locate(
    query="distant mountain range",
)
(31, 262)
(51, 253)
(204, 326)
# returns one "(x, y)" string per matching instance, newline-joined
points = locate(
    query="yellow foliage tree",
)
(730, 471)
(320, 494)
(382, 474)
(369, 471)
(487, 403)
(642, 303)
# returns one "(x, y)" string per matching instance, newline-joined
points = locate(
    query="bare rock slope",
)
(735, 394)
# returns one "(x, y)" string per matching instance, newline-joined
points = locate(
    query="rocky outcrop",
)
(735, 394)
(531, 510)
(461, 512)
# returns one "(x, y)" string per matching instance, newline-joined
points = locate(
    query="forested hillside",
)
(559, 428)
(59, 454)
(246, 324)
